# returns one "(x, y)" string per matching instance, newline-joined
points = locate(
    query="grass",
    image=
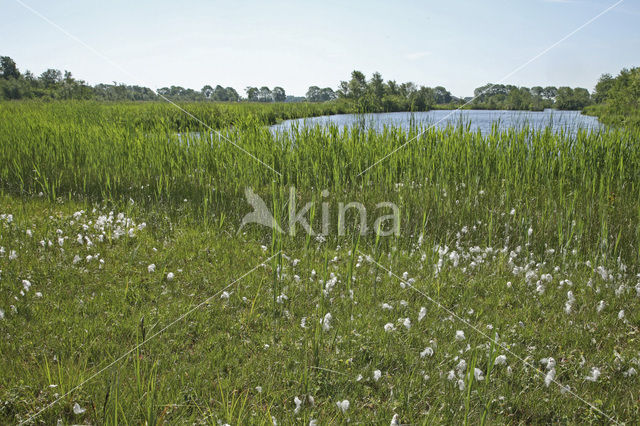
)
(495, 228)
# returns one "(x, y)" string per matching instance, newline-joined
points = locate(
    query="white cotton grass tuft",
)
(460, 335)
(151, 268)
(77, 409)
(389, 327)
(303, 322)
(343, 405)
(594, 375)
(225, 295)
(395, 421)
(601, 305)
(422, 314)
(326, 322)
(170, 276)
(298, 403)
(1, 314)
(376, 375)
(387, 306)
(551, 375)
(407, 323)
(478, 374)
(500, 360)
(428, 351)
(621, 314)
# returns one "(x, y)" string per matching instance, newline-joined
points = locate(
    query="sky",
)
(458, 44)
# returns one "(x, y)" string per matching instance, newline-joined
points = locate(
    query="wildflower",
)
(551, 375)
(313, 422)
(478, 374)
(13, 255)
(77, 410)
(343, 405)
(389, 327)
(595, 373)
(26, 284)
(451, 376)
(428, 351)
(621, 314)
(500, 360)
(225, 295)
(630, 372)
(387, 306)
(461, 385)
(513, 211)
(303, 322)
(1, 314)
(259, 389)
(79, 239)
(395, 421)
(530, 231)
(326, 322)
(298, 403)
(38, 295)
(422, 314)
(461, 367)
(151, 268)
(460, 335)
(407, 323)
(170, 276)
(376, 375)
(29, 234)
(600, 306)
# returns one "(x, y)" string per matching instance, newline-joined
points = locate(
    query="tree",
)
(313, 94)
(278, 94)
(603, 87)
(550, 93)
(252, 93)
(51, 77)
(8, 68)
(264, 94)
(207, 91)
(441, 95)
(232, 95)
(220, 94)
(376, 86)
(327, 94)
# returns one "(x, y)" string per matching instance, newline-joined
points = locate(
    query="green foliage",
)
(619, 98)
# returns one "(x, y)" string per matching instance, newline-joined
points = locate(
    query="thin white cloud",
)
(417, 55)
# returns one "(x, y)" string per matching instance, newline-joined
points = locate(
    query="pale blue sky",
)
(294, 44)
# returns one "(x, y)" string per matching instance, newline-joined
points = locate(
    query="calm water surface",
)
(483, 120)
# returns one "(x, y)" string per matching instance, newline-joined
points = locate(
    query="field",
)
(130, 292)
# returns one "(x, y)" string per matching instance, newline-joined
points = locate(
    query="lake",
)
(483, 120)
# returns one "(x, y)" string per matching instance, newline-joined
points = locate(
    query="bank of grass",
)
(496, 228)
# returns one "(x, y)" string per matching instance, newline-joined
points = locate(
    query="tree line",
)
(359, 93)
(617, 99)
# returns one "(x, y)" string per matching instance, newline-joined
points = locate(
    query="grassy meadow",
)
(130, 293)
